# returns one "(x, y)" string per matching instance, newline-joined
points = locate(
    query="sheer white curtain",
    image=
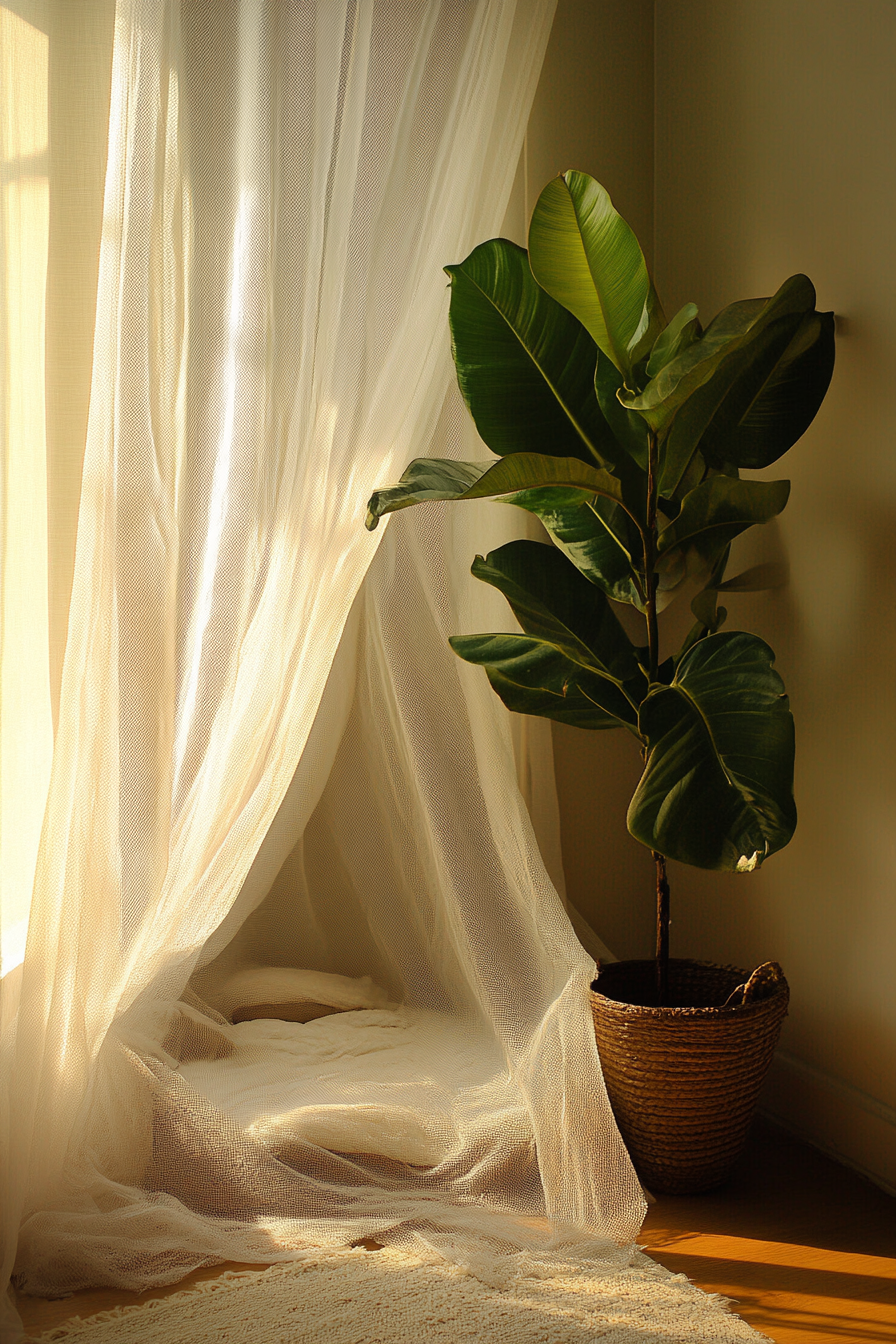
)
(284, 183)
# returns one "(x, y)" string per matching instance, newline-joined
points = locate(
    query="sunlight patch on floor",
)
(746, 1249)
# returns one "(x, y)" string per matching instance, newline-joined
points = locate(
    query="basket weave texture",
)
(684, 1080)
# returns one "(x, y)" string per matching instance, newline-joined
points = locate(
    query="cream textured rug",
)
(348, 1296)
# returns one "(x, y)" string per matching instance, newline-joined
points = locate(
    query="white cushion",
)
(295, 995)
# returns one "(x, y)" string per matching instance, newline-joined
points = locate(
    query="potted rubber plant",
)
(627, 434)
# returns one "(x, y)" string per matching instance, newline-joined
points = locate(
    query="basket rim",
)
(621, 1008)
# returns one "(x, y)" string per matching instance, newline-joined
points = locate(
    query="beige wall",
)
(598, 74)
(775, 122)
(775, 134)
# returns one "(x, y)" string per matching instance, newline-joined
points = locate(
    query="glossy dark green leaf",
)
(586, 256)
(596, 535)
(733, 329)
(532, 676)
(525, 365)
(438, 478)
(573, 706)
(554, 602)
(747, 341)
(717, 788)
(717, 511)
(772, 402)
(678, 380)
(574, 662)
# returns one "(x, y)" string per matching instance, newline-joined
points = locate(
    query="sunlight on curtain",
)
(26, 743)
(244, 661)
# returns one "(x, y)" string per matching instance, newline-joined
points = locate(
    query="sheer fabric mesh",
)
(267, 755)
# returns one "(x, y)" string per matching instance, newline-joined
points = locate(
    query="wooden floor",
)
(806, 1248)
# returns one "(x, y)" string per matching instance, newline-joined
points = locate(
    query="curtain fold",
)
(284, 183)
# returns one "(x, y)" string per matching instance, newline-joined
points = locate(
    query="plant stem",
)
(662, 930)
(650, 574)
(653, 644)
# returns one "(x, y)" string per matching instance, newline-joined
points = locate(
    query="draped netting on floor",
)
(267, 757)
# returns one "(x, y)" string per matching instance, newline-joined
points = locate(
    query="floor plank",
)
(806, 1248)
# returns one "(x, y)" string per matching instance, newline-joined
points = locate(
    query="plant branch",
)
(650, 574)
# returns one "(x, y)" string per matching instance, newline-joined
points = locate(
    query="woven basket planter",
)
(684, 1080)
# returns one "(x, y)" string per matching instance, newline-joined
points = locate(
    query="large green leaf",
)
(585, 255)
(543, 692)
(574, 662)
(743, 346)
(524, 364)
(678, 380)
(435, 478)
(774, 400)
(680, 402)
(735, 327)
(553, 601)
(533, 676)
(717, 788)
(596, 535)
(717, 511)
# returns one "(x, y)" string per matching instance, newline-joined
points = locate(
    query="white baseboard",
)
(850, 1125)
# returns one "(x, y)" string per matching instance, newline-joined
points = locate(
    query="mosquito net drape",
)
(266, 755)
